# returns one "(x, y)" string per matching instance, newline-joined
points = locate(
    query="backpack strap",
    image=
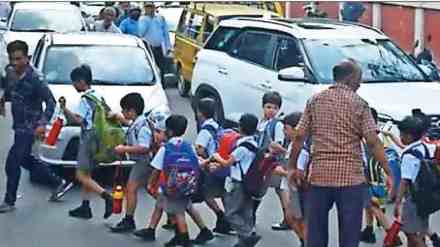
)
(271, 128)
(416, 153)
(211, 129)
(250, 147)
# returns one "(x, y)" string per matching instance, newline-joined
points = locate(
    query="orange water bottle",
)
(54, 132)
(118, 197)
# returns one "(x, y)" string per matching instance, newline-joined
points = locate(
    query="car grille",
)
(434, 131)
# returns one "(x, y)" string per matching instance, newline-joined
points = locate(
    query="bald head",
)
(348, 72)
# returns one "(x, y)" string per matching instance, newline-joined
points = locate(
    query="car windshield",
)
(47, 20)
(111, 65)
(381, 60)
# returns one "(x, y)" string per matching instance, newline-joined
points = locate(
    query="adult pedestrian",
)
(336, 120)
(130, 24)
(5, 10)
(123, 9)
(154, 29)
(107, 23)
(27, 92)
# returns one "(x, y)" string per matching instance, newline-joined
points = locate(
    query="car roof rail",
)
(263, 19)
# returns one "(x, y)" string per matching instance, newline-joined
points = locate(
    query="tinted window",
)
(47, 20)
(223, 39)
(381, 60)
(255, 47)
(111, 65)
(191, 25)
(288, 54)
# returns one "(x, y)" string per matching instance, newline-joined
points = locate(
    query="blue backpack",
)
(181, 168)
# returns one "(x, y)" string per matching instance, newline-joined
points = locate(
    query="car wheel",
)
(182, 84)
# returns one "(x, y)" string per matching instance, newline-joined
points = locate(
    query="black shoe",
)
(435, 240)
(179, 240)
(82, 212)
(169, 226)
(204, 236)
(303, 244)
(126, 225)
(61, 190)
(367, 236)
(283, 226)
(222, 227)
(146, 234)
(108, 208)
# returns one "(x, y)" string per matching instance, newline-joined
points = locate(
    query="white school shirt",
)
(279, 130)
(85, 111)
(243, 157)
(205, 138)
(410, 165)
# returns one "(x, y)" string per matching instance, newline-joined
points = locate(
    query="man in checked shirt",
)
(337, 119)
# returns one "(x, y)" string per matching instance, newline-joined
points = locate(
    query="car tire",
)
(182, 85)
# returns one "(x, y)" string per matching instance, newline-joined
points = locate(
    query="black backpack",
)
(257, 179)
(425, 191)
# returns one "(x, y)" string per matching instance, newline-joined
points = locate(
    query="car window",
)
(255, 47)
(36, 57)
(111, 65)
(381, 60)
(183, 22)
(194, 26)
(209, 27)
(47, 20)
(288, 53)
(223, 38)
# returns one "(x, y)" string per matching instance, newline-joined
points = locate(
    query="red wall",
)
(332, 9)
(432, 22)
(296, 9)
(398, 23)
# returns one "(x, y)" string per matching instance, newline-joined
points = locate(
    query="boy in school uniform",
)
(412, 130)
(206, 146)
(238, 204)
(139, 143)
(175, 129)
(271, 133)
(82, 78)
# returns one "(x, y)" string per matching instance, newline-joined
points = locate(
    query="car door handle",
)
(222, 71)
(266, 85)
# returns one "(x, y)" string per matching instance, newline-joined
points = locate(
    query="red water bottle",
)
(118, 197)
(54, 131)
(392, 234)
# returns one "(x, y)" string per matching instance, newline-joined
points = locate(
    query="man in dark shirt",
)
(26, 91)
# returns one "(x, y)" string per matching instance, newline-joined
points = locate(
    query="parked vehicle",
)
(121, 64)
(30, 21)
(196, 24)
(246, 57)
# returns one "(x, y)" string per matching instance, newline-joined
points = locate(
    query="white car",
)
(30, 21)
(247, 57)
(120, 64)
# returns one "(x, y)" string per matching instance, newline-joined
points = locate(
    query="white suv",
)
(245, 57)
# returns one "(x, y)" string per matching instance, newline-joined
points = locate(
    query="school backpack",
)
(426, 187)
(266, 136)
(257, 179)
(225, 142)
(109, 132)
(181, 169)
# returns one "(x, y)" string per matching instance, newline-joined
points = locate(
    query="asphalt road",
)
(38, 223)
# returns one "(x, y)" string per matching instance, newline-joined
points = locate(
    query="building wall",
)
(398, 23)
(397, 19)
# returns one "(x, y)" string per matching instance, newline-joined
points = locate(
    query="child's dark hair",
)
(248, 124)
(83, 72)
(292, 119)
(17, 45)
(413, 126)
(272, 98)
(207, 107)
(133, 101)
(422, 116)
(374, 114)
(176, 125)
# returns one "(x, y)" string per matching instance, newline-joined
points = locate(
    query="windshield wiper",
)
(34, 30)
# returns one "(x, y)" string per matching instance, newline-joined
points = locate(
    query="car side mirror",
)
(292, 74)
(3, 24)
